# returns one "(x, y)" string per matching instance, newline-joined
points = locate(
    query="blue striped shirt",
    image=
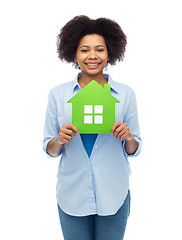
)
(97, 184)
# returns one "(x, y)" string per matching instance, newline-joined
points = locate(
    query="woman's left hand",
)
(121, 130)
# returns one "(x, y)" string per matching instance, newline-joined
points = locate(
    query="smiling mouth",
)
(93, 64)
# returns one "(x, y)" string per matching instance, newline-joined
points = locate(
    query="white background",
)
(30, 68)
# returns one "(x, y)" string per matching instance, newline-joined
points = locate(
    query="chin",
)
(92, 72)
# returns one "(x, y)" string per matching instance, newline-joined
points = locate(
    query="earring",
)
(76, 65)
(106, 67)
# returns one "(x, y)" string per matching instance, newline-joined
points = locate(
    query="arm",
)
(121, 131)
(131, 145)
(54, 147)
(129, 131)
(54, 137)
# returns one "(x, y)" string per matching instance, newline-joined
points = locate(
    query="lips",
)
(93, 65)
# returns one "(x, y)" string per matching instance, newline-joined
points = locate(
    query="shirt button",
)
(96, 147)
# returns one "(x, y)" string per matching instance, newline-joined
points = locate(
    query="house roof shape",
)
(94, 91)
(93, 109)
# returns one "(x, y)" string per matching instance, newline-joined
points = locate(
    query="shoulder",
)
(124, 93)
(60, 91)
(123, 89)
(62, 87)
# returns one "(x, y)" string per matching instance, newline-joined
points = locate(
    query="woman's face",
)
(92, 54)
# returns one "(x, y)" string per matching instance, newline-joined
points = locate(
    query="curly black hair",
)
(71, 34)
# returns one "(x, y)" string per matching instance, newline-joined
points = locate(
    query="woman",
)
(93, 193)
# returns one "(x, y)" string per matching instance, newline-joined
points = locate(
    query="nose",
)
(92, 55)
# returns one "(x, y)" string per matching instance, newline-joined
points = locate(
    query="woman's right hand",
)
(66, 133)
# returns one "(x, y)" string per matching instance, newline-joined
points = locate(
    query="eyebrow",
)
(95, 46)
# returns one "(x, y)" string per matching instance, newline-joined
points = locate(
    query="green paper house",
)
(93, 109)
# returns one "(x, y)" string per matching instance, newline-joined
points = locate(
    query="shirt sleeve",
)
(131, 119)
(51, 126)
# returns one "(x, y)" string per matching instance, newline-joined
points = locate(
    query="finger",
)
(115, 126)
(62, 139)
(65, 140)
(67, 137)
(67, 131)
(63, 136)
(118, 130)
(121, 134)
(72, 127)
(123, 131)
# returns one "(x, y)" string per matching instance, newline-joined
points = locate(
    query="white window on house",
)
(98, 119)
(98, 109)
(88, 109)
(88, 119)
(93, 114)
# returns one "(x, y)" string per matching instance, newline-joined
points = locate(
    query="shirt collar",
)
(75, 82)
(107, 76)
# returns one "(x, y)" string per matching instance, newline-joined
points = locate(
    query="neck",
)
(86, 79)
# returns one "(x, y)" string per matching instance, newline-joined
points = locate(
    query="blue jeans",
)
(94, 227)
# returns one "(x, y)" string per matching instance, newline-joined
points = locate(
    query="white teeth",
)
(92, 64)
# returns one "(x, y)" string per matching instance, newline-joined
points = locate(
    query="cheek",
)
(80, 59)
(105, 60)
(105, 57)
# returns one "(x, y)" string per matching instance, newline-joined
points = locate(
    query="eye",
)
(84, 50)
(100, 49)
